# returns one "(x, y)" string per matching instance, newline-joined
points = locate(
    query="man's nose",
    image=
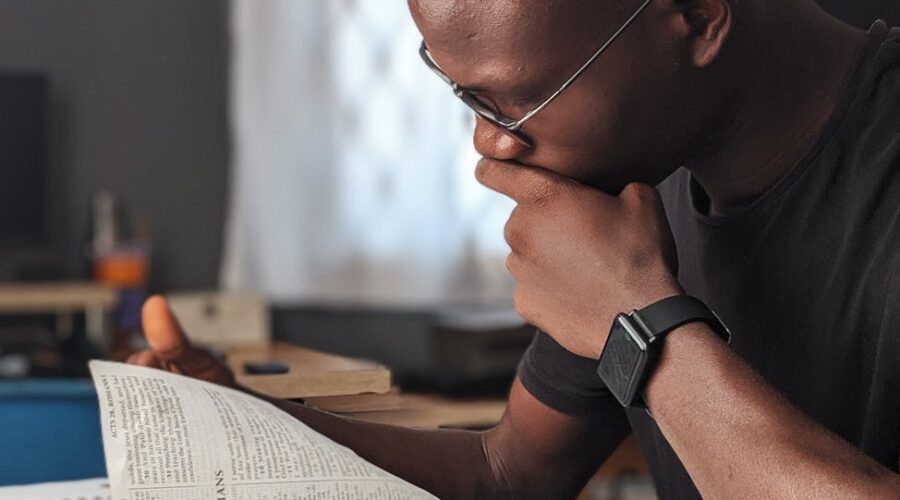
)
(498, 144)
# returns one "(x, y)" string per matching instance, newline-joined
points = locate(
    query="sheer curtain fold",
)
(352, 165)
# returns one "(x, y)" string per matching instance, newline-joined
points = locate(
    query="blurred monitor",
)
(23, 152)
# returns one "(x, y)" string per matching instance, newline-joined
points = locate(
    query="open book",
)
(169, 437)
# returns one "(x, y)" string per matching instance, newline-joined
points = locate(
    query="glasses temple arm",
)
(584, 68)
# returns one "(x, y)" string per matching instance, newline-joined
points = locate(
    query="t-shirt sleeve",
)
(563, 381)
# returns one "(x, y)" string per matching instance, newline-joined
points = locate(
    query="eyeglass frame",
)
(512, 125)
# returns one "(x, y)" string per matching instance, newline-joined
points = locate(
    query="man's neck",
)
(799, 58)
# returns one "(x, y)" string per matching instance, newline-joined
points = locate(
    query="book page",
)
(169, 437)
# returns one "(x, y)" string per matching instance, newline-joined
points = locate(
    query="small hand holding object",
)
(171, 350)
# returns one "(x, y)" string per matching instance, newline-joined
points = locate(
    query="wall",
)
(139, 107)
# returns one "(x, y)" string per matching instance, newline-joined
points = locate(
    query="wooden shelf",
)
(47, 298)
(64, 300)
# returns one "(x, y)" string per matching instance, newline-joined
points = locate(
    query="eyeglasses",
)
(513, 125)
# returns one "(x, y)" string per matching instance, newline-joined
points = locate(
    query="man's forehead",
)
(497, 42)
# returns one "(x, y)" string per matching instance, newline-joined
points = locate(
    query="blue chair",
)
(49, 431)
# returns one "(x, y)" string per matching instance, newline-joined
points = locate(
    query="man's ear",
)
(706, 25)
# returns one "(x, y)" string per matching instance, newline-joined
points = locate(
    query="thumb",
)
(162, 330)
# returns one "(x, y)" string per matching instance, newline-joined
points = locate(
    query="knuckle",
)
(515, 232)
(173, 351)
(142, 358)
(513, 264)
(483, 170)
(630, 190)
(519, 303)
(480, 169)
(638, 192)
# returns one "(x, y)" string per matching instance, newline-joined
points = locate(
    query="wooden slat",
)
(63, 297)
(311, 373)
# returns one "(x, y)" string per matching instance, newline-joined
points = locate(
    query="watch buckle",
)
(641, 328)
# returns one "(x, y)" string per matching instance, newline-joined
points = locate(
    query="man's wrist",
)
(683, 349)
(636, 341)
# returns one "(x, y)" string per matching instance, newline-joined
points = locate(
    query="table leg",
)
(64, 325)
(95, 324)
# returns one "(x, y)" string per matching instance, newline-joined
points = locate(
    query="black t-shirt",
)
(807, 277)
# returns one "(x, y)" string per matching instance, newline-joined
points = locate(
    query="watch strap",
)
(662, 317)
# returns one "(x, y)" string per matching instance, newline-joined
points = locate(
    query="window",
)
(353, 165)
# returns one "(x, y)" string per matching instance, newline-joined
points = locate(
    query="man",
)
(785, 221)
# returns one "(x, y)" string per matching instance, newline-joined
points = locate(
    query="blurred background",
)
(291, 162)
(296, 151)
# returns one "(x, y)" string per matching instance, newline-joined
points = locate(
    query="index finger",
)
(522, 183)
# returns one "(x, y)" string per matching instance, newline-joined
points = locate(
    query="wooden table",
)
(436, 412)
(361, 390)
(354, 387)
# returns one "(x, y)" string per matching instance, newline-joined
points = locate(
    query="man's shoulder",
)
(865, 147)
(871, 141)
(886, 57)
(877, 103)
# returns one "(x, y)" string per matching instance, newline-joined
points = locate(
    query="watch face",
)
(622, 361)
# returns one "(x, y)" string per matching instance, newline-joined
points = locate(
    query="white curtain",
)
(352, 165)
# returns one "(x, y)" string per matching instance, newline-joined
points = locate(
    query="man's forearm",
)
(534, 452)
(447, 463)
(737, 437)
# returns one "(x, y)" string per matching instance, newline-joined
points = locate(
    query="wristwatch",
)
(635, 342)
